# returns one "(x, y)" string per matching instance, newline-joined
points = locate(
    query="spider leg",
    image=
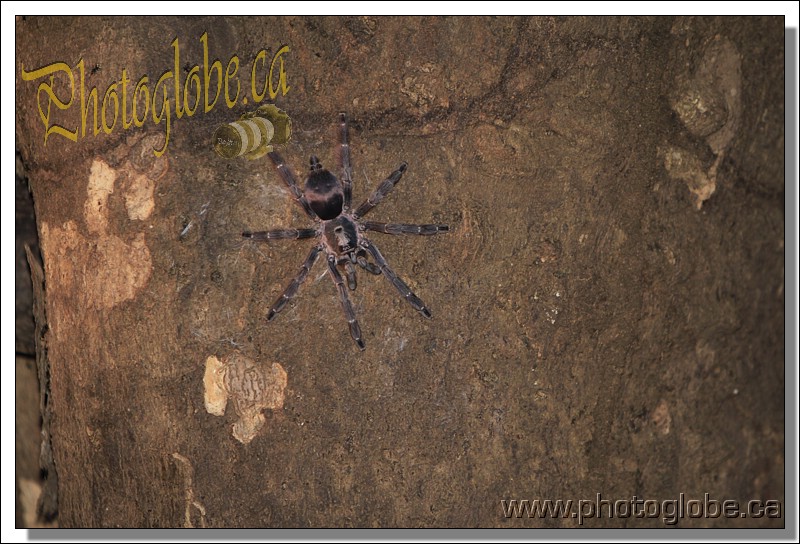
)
(288, 178)
(344, 157)
(381, 191)
(362, 261)
(280, 234)
(405, 228)
(292, 288)
(349, 270)
(399, 284)
(347, 306)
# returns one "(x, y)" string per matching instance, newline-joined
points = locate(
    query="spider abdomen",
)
(324, 194)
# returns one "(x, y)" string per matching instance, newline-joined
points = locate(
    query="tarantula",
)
(341, 231)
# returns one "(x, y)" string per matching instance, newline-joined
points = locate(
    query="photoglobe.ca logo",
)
(669, 511)
(127, 104)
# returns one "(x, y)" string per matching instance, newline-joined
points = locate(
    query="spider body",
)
(323, 191)
(341, 232)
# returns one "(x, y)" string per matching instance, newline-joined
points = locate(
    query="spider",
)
(341, 231)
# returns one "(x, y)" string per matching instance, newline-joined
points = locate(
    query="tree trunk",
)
(608, 305)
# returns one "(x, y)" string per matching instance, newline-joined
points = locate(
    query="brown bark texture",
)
(608, 304)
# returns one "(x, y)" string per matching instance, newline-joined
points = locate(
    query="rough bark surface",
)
(608, 308)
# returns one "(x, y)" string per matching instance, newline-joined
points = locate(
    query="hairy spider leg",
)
(288, 178)
(405, 228)
(382, 190)
(399, 284)
(347, 306)
(280, 234)
(344, 158)
(362, 261)
(350, 270)
(293, 287)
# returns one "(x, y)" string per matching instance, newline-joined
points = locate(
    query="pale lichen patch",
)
(216, 398)
(98, 268)
(192, 504)
(683, 165)
(139, 200)
(708, 102)
(101, 185)
(251, 387)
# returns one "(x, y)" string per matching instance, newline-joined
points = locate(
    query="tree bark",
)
(608, 306)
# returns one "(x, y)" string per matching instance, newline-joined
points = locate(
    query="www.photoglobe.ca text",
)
(669, 511)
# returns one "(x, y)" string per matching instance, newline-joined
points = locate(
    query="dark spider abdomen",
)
(324, 194)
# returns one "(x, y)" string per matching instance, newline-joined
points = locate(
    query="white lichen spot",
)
(100, 186)
(250, 387)
(139, 200)
(214, 383)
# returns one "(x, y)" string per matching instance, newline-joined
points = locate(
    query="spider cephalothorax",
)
(341, 231)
